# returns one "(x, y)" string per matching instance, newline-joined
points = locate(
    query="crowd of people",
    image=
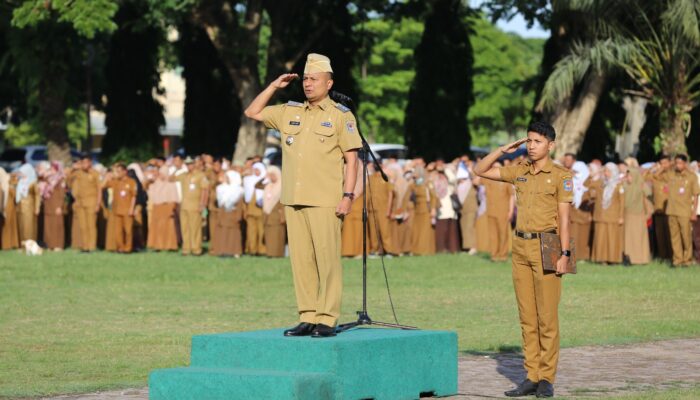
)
(623, 213)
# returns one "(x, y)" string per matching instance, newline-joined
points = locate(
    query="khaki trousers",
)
(661, 236)
(314, 249)
(87, 222)
(124, 232)
(538, 297)
(191, 225)
(255, 229)
(681, 240)
(499, 231)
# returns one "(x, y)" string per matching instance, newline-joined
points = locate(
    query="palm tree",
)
(656, 45)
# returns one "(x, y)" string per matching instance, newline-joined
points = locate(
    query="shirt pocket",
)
(325, 136)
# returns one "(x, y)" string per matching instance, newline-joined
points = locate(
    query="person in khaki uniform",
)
(86, 189)
(544, 193)
(683, 191)
(254, 217)
(195, 193)
(608, 216)
(317, 136)
(123, 205)
(381, 199)
(214, 175)
(28, 198)
(500, 205)
(659, 194)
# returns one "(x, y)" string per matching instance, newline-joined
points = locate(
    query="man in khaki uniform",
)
(195, 193)
(123, 202)
(683, 191)
(544, 193)
(660, 196)
(86, 189)
(317, 136)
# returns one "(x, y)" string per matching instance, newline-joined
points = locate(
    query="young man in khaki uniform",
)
(86, 189)
(317, 136)
(683, 191)
(123, 203)
(544, 192)
(659, 191)
(195, 193)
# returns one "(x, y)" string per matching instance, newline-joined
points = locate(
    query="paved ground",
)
(583, 371)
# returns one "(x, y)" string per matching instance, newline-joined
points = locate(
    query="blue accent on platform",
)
(379, 364)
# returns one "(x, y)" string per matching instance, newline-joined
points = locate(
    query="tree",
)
(659, 54)
(50, 29)
(133, 115)
(440, 95)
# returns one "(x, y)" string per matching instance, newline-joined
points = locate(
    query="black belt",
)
(530, 235)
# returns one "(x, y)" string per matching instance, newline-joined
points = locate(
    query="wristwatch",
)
(566, 253)
(349, 195)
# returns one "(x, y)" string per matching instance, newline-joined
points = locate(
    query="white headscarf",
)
(4, 187)
(465, 182)
(228, 194)
(273, 191)
(28, 176)
(581, 173)
(250, 181)
(610, 184)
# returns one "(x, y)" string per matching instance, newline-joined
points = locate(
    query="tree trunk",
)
(635, 118)
(673, 128)
(569, 140)
(237, 43)
(52, 108)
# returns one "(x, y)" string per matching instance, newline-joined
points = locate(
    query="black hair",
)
(664, 157)
(543, 129)
(85, 156)
(572, 155)
(160, 158)
(177, 155)
(682, 157)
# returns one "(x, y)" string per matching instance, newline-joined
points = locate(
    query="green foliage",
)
(29, 132)
(87, 17)
(386, 75)
(505, 71)
(441, 92)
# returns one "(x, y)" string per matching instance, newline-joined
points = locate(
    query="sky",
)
(517, 25)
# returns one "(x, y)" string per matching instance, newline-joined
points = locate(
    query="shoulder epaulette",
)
(341, 107)
(295, 103)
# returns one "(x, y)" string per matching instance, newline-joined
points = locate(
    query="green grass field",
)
(72, 322)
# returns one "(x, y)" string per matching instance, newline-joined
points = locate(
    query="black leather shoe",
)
(526, 388)
(303, 329)
(544, 389)
(322, 331)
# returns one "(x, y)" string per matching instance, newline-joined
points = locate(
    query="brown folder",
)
(550, 247)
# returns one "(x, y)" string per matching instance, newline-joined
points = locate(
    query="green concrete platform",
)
(378, 364)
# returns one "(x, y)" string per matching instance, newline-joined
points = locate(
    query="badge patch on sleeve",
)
(568, 185)
(350, 126)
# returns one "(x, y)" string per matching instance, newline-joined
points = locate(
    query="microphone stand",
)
(362, 316)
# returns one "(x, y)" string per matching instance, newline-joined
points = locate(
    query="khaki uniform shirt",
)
(538, 194)
(682, 189)
(659, 191)
(192, 183)
(86, 188)
(123, 193)
(314, 139)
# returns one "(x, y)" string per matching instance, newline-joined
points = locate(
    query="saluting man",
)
(318, 136)
(544, 192)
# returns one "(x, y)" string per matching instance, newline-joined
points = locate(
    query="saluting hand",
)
(512, 147)
(283, 81)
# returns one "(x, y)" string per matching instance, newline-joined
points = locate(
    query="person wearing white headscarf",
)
(425, 203)
(229, 197)
(28, 200)
(608, 217)
(253, 186)
(466, 192)
(273, 211)
(4, 188)
(581, 212)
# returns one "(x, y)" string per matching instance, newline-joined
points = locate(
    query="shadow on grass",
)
(509, 361)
